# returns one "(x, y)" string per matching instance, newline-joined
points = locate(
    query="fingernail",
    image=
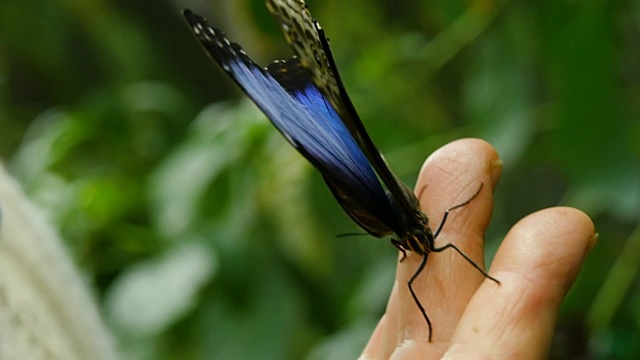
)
(593, 241)
(496, 172)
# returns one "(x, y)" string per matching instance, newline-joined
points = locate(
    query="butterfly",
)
(306, 101)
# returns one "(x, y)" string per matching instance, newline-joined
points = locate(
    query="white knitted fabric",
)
(46, 310)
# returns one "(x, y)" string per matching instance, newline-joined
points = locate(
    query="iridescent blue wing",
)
(286, 93)
(306, 100)
(310, 44)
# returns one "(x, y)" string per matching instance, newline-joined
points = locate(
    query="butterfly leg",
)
(398, 246)
(446, 213)
(450, 245)
(415, 297)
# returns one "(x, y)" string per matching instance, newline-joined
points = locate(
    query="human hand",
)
(473, 317)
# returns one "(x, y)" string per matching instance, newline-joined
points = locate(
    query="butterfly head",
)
(414, 234)
(418, 238)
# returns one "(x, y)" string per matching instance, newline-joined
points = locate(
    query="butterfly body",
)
(306, 101)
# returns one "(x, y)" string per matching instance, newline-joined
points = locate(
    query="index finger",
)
(451, 175)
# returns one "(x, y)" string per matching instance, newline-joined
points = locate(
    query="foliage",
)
(207, 236)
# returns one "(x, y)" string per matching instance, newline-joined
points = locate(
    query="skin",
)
(473, 317)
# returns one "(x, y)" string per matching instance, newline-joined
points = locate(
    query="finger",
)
(536, 264)
(451, 175)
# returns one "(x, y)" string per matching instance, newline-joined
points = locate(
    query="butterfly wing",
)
(310, 44)
(286, 93)
(298, 28)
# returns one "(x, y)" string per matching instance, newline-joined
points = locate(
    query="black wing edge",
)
(214, 41)
(219, 48)
(290, 73)
(402, 194)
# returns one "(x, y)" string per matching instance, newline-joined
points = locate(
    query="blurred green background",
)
(207, 237)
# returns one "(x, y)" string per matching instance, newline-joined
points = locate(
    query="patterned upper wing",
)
(306, 37)
(286, 93)
(302, 32)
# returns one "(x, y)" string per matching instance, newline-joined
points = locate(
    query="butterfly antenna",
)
(352, 234)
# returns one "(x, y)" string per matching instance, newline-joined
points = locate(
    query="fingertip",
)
(554, 233)
(582, 225)
(452, 174)
(464, 161)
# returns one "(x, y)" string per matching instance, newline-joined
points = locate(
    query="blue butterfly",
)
(306, 101)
